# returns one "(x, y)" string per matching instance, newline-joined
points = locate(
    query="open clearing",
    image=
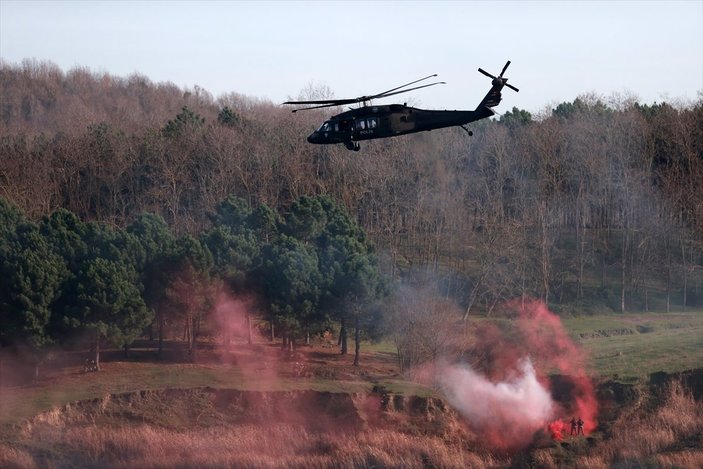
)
(625, 348)
(630, 347)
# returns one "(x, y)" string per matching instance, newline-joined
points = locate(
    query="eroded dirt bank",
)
(316, 411)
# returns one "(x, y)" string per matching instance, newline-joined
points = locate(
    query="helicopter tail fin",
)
(494, 96)
(492, 99)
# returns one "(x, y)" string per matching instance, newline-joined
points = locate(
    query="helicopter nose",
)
(314, 137)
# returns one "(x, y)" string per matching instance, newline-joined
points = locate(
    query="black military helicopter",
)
(368, 121)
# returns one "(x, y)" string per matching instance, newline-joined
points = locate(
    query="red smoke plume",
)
(510, 399)
(553, 348)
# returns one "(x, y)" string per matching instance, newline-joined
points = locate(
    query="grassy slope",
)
(658, 342)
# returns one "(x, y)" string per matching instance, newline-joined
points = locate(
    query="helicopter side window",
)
(360, 124)
(372, 122)
(344, 126)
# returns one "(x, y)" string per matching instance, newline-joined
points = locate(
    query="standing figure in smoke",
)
(580, 426)
(573, 425)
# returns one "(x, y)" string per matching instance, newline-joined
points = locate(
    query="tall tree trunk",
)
(581, 247)
(343, 336)
(545, 252)
(623, 265)
(685, 275)
(193, 337)
(472, 298)
(97, 351)
(357, 345)
(668, 276)
(161, 333)
(248, 327)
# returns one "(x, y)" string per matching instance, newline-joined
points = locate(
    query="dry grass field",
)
(644, 435)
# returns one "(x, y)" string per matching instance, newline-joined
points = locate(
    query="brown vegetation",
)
(591, 206)
(672, 431)
(251, 446)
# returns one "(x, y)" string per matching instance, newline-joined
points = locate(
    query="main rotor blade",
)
(405, 91)
(403, 86)
(512, 87)
(486, 73)
(325, 101)
(317, 107)
(339, 102)
(504, 69)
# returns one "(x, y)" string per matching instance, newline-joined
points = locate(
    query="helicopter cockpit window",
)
(324, 127)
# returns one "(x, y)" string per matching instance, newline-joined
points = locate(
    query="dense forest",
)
(594, 205)
(70, 283)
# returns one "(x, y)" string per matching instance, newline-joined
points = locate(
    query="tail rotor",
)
(499, 80)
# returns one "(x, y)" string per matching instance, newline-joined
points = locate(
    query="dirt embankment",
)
(316, 411)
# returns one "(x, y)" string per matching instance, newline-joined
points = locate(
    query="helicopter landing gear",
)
(352, 145)
(467, 130)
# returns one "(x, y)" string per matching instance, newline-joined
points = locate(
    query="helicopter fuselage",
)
(370, 122)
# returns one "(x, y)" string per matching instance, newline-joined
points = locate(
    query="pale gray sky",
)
(272, 50)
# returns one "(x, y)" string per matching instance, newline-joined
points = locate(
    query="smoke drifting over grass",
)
(510, 399)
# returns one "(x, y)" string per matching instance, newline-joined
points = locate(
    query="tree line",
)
(594, 205)
(65, 279)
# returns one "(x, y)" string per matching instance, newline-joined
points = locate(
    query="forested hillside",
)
(594, 205)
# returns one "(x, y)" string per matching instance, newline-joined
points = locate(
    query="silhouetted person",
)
(580, 426)
(573, 426)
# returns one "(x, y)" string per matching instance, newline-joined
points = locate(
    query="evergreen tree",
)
(352, 281)
(189, 294)
(157, 241)
(291, 285)
(31, 275)
(108, 303)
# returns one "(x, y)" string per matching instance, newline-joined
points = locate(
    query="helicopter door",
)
(344, 127)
